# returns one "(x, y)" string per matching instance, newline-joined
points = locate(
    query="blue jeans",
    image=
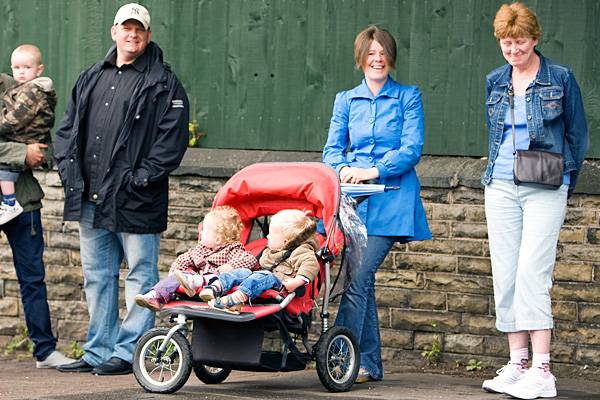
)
(26, 241)
(252, 284)
(7, 175)
(358, 309)
(523, 228)
(102, 252)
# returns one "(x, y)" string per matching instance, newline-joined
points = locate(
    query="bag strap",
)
(511, 102)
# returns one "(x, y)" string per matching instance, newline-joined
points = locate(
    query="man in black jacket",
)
(124, 130)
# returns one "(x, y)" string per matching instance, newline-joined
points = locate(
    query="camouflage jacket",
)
(27, 113)
(28, 190)
(6, 82)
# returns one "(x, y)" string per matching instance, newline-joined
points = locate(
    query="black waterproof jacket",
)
(133, 196)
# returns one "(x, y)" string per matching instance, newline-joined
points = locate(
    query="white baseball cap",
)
(133, 11)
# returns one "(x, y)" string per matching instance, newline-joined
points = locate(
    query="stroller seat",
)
(269, 302)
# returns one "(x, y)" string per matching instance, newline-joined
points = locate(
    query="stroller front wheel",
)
(338, 359)
(166, 372)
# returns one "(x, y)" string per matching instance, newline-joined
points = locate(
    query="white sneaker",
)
(9, 212)
(506, 377)
(55, 359)
(533, 384)
(188, 282)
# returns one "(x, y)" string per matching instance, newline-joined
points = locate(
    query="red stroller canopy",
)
(266, 188)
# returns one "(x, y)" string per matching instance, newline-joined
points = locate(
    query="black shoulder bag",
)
(543, 169)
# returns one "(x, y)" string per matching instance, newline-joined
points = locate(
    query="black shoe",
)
(77, 366)
(114, 366)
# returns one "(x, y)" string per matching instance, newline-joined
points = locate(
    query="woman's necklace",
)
(522, 78)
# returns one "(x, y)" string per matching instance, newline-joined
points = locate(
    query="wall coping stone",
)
(433, 171)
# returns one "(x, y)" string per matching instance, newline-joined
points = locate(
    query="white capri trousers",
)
(523, 228)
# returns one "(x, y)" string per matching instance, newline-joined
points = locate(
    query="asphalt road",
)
(21, 380)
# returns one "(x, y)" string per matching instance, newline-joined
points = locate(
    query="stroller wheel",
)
(166, 372)
(211, 375)
(338, 359)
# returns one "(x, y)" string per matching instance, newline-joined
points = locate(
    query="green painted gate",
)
(262, 74)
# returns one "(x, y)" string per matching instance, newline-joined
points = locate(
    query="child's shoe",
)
(533, 384)
(506, 377)
(7, 212)
(226, 304)
(148, 300)
(189, 282)
(210, 292)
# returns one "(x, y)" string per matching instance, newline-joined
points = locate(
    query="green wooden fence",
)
(262, 74)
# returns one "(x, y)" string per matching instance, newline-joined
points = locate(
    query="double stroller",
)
(222, 342)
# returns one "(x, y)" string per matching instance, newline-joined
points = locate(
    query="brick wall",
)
(439, 289)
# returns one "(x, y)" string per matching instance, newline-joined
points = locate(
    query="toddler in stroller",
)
(218, 250)
(288, 261)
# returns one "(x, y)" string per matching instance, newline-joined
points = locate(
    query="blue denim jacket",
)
(387, 132)
(555, 116)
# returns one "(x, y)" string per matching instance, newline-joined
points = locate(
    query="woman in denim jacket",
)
(524, 222)
(383, 123)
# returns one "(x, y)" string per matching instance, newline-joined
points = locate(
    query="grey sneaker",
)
(55, 359)
(187, 282)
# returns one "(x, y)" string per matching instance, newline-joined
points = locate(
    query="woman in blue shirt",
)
(523, 221)
(382, 121)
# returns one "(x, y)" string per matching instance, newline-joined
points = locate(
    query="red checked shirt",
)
(201, 259)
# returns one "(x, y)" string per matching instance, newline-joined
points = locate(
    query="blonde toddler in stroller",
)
(218, 250)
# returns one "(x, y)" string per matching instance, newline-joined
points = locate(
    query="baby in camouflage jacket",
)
(27, 103)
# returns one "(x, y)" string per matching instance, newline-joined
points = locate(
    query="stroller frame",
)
(222, 342)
